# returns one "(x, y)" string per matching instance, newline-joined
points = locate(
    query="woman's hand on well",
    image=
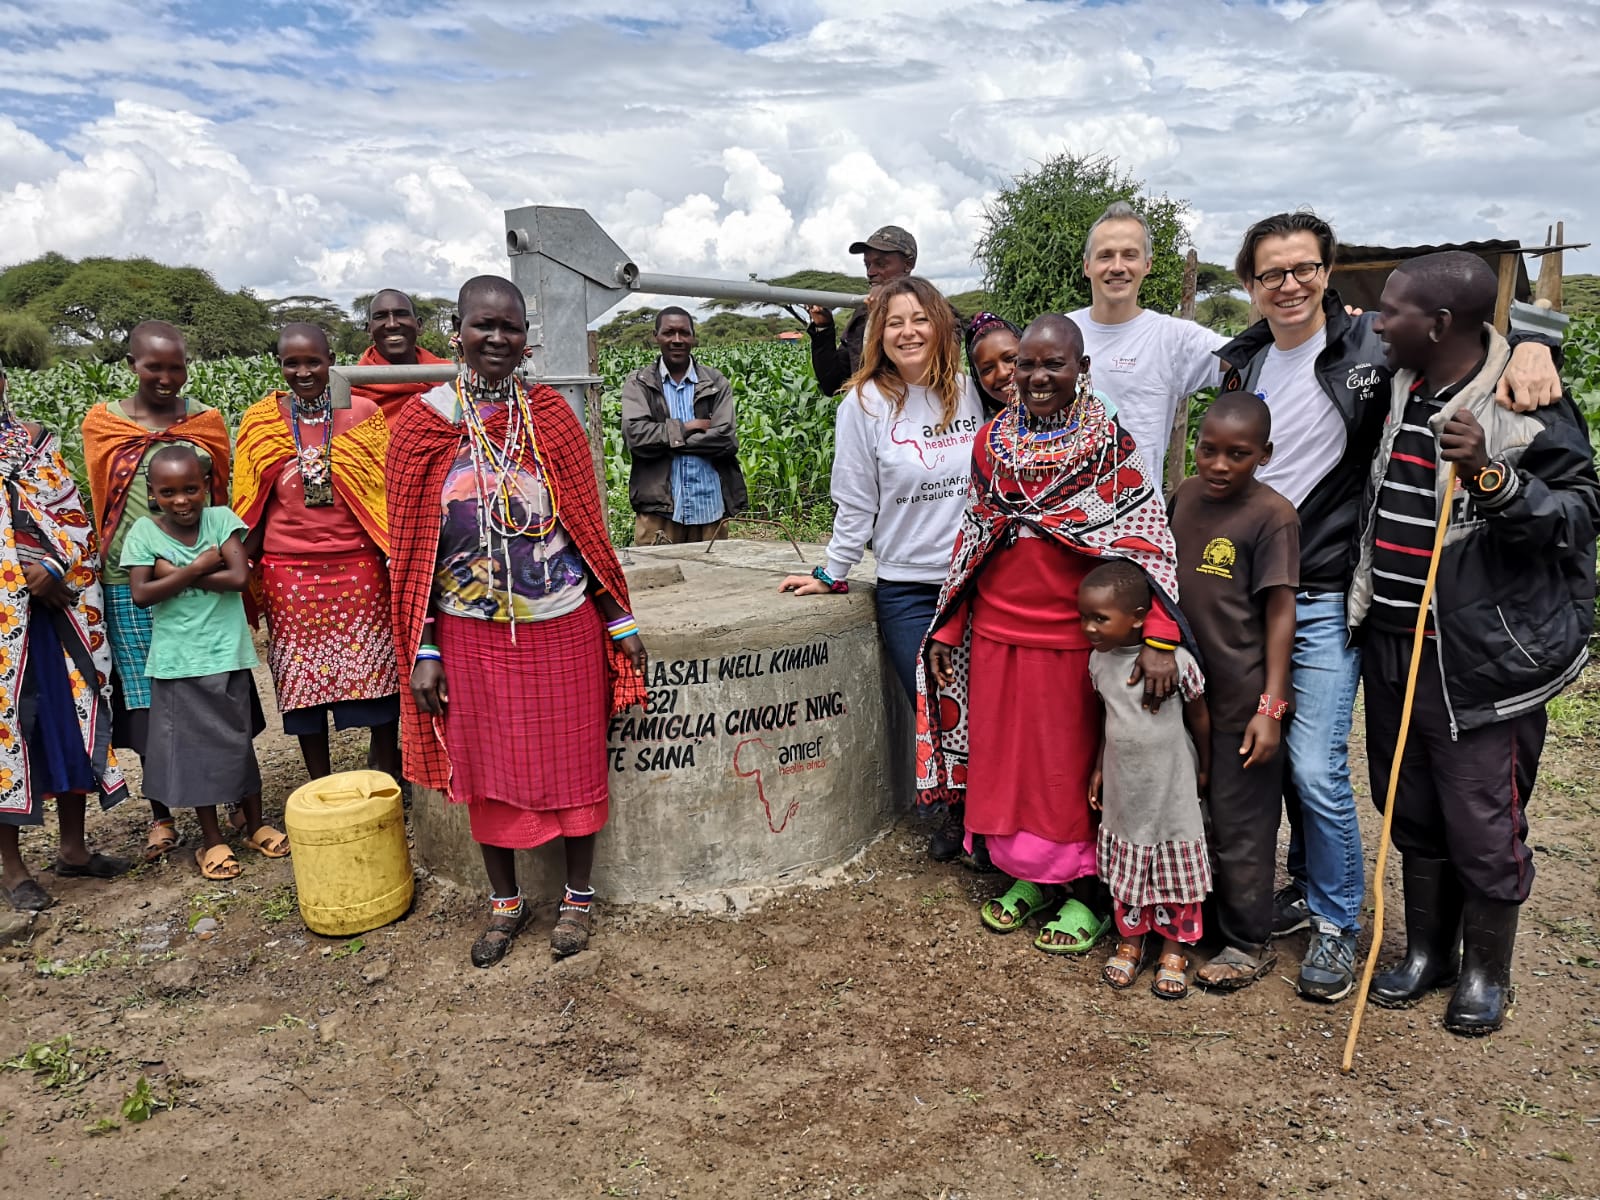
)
(804, 585)
(428, 686)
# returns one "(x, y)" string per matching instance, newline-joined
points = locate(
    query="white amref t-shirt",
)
(1308, 434)
(900, 482)
(1147, 367)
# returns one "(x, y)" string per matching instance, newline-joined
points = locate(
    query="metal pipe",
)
(340, 378)
(727, 289)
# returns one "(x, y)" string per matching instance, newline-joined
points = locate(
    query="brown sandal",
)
(573, 927)
(217, 863)
(1171, 968)
(269, 842)
(163, 839)
(1124, 965)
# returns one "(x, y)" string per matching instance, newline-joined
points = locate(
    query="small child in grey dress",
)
(1152, 846)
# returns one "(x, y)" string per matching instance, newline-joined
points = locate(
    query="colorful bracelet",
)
(623, 627)
(50, 564)
(838, 586)
(1158, 644)
(426, 652)
(1268, 707)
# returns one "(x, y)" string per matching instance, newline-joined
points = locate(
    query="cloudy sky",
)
(332, 148)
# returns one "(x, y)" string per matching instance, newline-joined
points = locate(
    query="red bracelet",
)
(1268, 707)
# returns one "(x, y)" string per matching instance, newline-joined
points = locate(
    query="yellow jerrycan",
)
(352, 869)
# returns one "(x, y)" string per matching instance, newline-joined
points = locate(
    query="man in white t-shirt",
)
(1146, 363)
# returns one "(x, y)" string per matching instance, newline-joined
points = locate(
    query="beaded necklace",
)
(498, 475)
(16, 444)
(316, 462)
(1033, 449)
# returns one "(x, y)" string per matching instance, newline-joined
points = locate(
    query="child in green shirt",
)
(187, 562)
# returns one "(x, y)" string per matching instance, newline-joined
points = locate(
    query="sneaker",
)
(1329, 970)
(1290, 913)
(947, 841)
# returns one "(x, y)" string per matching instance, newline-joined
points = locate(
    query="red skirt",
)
(328, 624)
(1033, 732)
(525, 725)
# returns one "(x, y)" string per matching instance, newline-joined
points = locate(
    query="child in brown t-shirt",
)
(1238, 566)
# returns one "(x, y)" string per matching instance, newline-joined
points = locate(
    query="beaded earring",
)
(1085, 386)
(455, 344)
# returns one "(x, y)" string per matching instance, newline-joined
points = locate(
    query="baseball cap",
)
(891, 238)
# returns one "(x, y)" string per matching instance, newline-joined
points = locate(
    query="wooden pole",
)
(1178, 439)
(1508, 289)
(1394, 771)
(1550, 269)
(594, 420)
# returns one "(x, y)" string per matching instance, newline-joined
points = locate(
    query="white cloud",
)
(766, 135)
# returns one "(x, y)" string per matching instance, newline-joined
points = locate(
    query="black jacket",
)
(834, 362)
(653, 438)
(1355, 379)
(1354, 375)
(1514, 601)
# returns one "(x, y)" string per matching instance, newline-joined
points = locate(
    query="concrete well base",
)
(775, 744)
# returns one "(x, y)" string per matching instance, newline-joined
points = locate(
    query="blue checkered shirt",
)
(696, 486)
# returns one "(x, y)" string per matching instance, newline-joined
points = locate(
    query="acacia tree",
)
(1031, 247)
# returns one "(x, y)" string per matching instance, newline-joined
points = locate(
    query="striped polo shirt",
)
(1408, 515)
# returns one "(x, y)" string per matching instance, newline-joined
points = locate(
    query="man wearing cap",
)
(888, 254)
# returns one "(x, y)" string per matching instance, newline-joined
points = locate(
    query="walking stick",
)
(1394, 772)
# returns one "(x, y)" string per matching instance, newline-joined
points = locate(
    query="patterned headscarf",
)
(978, 328)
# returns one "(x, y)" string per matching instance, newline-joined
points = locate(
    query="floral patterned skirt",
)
(331, 634)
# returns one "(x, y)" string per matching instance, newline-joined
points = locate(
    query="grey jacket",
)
(653, 437)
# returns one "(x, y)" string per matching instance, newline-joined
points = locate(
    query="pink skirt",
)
(525, 725)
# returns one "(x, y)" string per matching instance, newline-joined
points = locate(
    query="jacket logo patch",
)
(1218, 558)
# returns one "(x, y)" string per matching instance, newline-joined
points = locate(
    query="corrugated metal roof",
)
(1358, 254)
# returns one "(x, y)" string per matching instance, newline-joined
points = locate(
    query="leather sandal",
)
(1124, 965)
(573, 927)
(495, 940)
(217, 862)
(163, 839)
(1171, 968)
(269, 842)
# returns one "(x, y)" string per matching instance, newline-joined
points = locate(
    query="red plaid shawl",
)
(1105, 505)
(422, 447)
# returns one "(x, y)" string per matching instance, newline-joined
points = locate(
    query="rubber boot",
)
(1488, 933)
(945, 843)
(1433, 930)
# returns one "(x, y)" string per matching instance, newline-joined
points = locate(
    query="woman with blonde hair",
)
(901, 458)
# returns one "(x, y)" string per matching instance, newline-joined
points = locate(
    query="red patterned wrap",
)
(1103, 504)
(423, 445)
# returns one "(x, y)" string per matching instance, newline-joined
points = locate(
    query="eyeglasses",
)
(1303, 273)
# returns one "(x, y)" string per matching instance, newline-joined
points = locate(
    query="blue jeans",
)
(1324, 834)
(905, 611)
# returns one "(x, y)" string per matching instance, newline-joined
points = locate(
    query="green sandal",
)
(1020, 902)
(1076, 920)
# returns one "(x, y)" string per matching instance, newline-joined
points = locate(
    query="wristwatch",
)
(1490, 478)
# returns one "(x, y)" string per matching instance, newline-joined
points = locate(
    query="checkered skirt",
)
(1167, 873)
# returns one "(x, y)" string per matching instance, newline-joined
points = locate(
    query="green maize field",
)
(785, 425)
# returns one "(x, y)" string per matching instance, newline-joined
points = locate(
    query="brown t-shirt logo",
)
(1218, 558)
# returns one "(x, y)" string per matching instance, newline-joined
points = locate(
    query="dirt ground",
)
(869, 1039)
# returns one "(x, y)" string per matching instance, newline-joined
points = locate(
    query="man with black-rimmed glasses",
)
(1323, 374)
